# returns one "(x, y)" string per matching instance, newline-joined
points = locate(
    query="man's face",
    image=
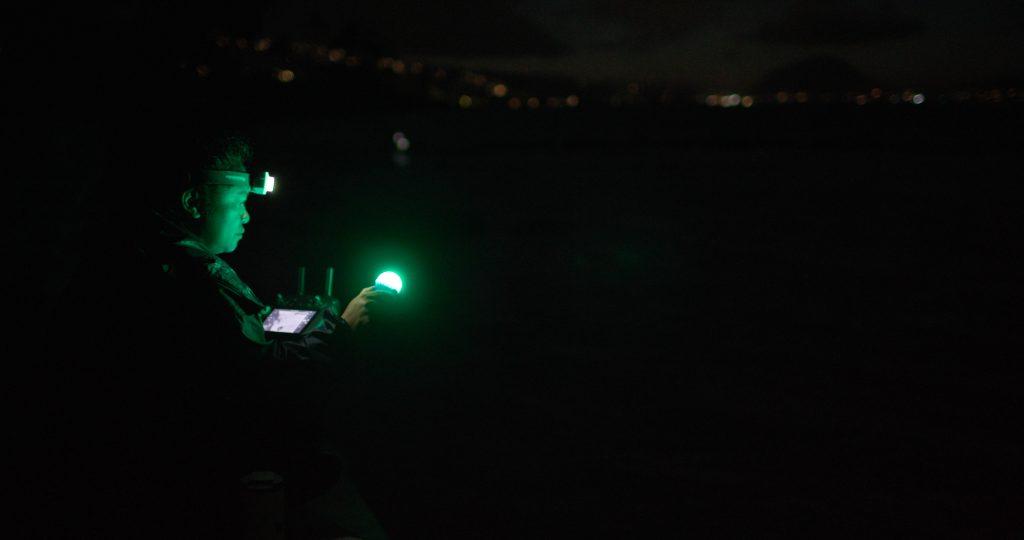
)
(223, 218)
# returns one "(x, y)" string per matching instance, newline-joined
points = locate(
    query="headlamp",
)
(261, 185)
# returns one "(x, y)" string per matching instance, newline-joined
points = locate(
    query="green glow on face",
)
(389, 280)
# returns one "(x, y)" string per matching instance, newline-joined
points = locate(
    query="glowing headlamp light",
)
(258, 186)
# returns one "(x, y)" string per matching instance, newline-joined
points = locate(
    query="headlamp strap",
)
(224, 178)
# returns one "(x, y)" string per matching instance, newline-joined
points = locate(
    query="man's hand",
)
(358, 311)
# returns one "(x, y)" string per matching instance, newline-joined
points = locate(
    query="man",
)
(188, 396)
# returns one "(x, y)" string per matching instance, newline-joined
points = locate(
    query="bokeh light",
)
(286, 75)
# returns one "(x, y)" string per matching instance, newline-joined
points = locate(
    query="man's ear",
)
(190, 202)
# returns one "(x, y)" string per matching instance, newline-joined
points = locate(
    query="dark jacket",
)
(166, 392)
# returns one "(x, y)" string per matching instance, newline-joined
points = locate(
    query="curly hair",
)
(223, 152)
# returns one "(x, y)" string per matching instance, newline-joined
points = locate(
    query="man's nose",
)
(245, 216)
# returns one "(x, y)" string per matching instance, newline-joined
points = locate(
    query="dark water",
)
(715, 323)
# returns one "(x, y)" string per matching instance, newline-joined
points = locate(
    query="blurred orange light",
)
(416, 68)
(352, 61)
(465, 101)
(802, 97)
(533, 103)
(398, 67)
(573, 100)
(499, 90)
(748, 102)
(514, 103)
(782, 97)
(241, 43)
(202, 70)
(862, 99)
(876, 93)
(222, 41)
(384, 63)
(336, 55)
(711, 101)
(262, 45)
(286, 75)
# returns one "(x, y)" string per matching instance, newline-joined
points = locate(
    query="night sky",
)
(705, 45)
(711, 45)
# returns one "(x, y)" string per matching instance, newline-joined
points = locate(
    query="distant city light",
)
(401, 141)
(635, 93)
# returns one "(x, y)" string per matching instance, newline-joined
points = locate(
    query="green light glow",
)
(269, 182)
(389, 280)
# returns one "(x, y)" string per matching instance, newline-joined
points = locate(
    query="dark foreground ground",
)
(697, 324)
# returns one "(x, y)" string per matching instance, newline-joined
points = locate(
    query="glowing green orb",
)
(389, 280)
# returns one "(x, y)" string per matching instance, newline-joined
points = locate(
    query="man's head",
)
(217, 211)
